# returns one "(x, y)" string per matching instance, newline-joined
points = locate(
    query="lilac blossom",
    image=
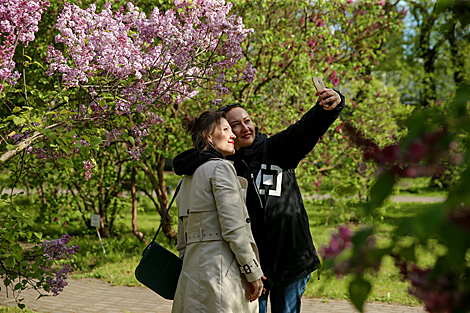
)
(88, 166)
(18, 23)
(123, 45)
(249, 73)
(341, 244)
(58, 249)
(112, 136)
(58, 283)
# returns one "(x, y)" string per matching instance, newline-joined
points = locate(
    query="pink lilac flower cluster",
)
(358, 262)
(442, 288)
(440, 292)
(151, 61)
(426, 149)
(153, 119)
(88, 166)
(339, 242)
(18, 23)
(136, 152)
(112, 136)
(58, 249)
(249, 73)
(58, 283)
(122, 45)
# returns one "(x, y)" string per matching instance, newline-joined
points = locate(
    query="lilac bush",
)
(125, 66)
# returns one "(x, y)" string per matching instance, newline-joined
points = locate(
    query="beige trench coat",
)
(215, 242)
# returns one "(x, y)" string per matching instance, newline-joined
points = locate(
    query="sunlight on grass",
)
(387, 285)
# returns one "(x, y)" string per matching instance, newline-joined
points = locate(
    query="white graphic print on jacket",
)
(269, 178)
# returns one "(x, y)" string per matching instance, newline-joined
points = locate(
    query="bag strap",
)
(166, 213)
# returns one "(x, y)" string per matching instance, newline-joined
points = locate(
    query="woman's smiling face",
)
(242, 127)
(223, 138)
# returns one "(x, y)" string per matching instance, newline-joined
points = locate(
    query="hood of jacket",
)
(187, 162)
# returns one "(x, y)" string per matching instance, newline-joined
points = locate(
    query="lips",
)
(246, 136)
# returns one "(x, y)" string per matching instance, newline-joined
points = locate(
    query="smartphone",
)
(318, 82)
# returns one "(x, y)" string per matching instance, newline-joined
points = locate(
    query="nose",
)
(232, 135)
(244, 127)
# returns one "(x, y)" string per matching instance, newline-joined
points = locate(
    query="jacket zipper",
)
(257, 191)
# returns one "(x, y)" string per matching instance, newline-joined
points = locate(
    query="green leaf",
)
(18, 120)
(11, 147)
(10, 261)
(16, 109)
(381, 190)
(358, 291)
(95, 140)
(69, 163)
(70, 134)
(361, 237)
(84, 151)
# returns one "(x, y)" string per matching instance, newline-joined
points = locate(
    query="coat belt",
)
(203, 234)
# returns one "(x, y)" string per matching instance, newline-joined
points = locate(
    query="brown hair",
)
(202, 127)
(227, 108)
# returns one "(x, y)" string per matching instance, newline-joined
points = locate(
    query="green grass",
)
(15, 309)
(429, 192)
(387, 286)
(123, 250)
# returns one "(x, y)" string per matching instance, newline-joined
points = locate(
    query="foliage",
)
(343, 42)
(443, 286)
(22, 270)
(113, 70)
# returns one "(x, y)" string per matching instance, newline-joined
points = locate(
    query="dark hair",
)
(229, 107)
(202, 127)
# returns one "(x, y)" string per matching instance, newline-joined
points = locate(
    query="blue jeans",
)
(284, 299)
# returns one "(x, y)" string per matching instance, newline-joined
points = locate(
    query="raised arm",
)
(287, 148)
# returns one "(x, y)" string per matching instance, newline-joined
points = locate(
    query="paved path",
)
(93, 295)
(418, 199)
(410, 199)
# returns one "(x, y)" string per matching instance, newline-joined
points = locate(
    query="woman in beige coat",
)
(221, 271)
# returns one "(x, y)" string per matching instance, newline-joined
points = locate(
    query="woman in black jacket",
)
(279, 220)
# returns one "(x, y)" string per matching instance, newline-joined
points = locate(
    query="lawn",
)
(387, 286)
(123, 251)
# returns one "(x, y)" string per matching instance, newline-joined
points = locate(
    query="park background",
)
(82, 137)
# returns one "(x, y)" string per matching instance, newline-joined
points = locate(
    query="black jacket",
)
(279, 220)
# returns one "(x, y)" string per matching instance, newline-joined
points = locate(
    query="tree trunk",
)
(428, 52)
(135, 230)
(163, 201)
(458, 59)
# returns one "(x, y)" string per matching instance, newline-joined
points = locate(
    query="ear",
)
(208, 138)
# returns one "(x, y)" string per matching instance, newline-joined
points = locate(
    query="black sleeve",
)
(287, 148)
